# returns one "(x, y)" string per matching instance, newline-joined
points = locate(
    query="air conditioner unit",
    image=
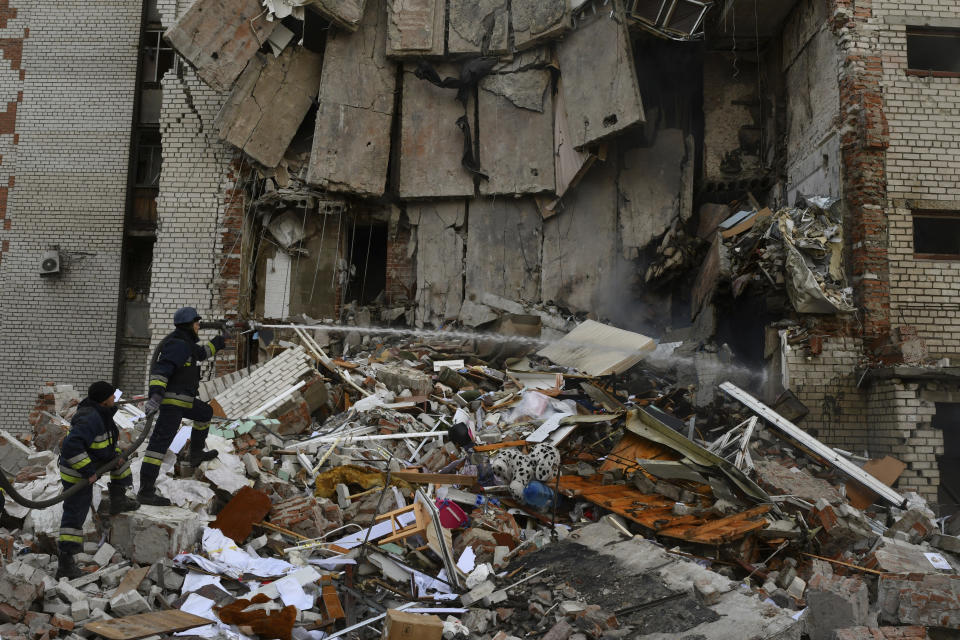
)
(49, 263)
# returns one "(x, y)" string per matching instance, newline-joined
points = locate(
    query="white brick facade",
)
(71, 165)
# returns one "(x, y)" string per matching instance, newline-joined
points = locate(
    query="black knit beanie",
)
(100, 391)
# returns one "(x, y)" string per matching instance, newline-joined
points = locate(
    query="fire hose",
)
(8, 489)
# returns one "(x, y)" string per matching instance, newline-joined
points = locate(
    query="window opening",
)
(933, 50)
(936, 235)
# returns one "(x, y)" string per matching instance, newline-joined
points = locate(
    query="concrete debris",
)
(599, 105)
(478, 27)
(535, 21)
(219, 37)
(351, 141)
(415, 28)
(429, 496)
(268, 103)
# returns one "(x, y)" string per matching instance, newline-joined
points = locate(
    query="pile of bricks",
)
(306, 515)
(265, 384)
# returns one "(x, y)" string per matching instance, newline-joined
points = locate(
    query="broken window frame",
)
(922, 214)
(662, 26)
(154, 45)
(953, 34)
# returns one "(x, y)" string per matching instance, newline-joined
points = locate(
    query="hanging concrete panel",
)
(431, 144)
(599, 78)
(351, 142)
(478, 27)
(218, 38)
(415, 28)
(516, 140)
(656, 187)
(343, 13)
(579, 246)
(439, 259)
(535, 21)
(503, 249)
(269, 102)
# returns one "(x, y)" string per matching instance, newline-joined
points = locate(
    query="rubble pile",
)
(570, 492)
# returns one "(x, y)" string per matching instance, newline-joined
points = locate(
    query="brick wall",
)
(67, 80)
(198, 205)
(827, 384)
(401, 269)
(922, 171)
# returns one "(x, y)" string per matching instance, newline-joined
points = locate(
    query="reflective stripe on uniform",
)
(101, 442)
(82, 463)
(120, 475)
(69, 478)
(77, 458)
(158, 382)
(71, 535)
(201, 426)
(177, 403)
(210, 349)
(152, 457)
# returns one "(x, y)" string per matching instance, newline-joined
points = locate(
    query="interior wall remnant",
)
(516, 139)
(351, 143)
(655, 187)
(431, 144)
(219, 37)
(732, 117)
(269, 102)
(600, 86)
(440, 255)
(503, 249)
(579, 252)
(302, 277)
(810, 61)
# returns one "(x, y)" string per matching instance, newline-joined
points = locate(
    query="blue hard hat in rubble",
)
(185, 315)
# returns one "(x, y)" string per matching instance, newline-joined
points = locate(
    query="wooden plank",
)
(846, 564)
(331, 602)
(131, 580)
(143, 625)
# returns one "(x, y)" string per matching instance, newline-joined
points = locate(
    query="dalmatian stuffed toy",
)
(517, 469)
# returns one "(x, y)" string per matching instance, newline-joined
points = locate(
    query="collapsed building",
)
(766, 186)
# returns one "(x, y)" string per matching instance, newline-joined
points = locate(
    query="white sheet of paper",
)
(331, 563)
(938, 561)
(293, 594)
(117, 395)
(180, 439)
(195, 581)
(467, 561)
(203, 607)
(377, 531)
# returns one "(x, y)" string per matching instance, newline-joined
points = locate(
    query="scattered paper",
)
(293, 594)
(180, 439)
(938, 561)
(467, 561)
(195, 581)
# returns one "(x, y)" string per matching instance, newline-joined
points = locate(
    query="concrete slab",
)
(503, 251)
(398, 377)
(536, 21)
(269, 102)
(897, 556)
(651, 186)
(440, 255)
(219, 37)
(835, 602)
(516, 143)
(478, 27)
(150, 533)
(415, 28)
(732, 613)
(781, 480)
(351, 143)
(343, 13)
(578, 263)
(599, 78)
(431, 144)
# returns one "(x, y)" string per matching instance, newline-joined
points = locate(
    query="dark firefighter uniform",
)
(175, 376)
(91, 442)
